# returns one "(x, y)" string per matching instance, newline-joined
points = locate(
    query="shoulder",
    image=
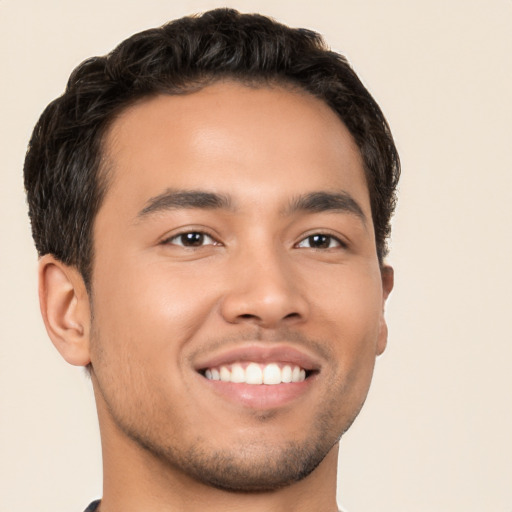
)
(93, 506)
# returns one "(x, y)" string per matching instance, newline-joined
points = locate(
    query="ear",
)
(65, 309)
(388, 279)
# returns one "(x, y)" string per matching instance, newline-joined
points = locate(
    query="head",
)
(66, 175)
(222, 187)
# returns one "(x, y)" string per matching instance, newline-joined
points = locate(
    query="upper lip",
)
(260, 353)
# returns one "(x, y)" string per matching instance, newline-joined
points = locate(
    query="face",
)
(237, 296)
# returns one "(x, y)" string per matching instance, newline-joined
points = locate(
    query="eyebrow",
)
(173, 199)
(323, 201)
(314, 202)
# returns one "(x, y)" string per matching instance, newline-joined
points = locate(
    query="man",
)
(211, 203)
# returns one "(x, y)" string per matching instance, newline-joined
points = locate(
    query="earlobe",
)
(388, 279)
(65, 309)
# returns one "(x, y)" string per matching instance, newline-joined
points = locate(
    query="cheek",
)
(144, 316)
(148, 317)
(348, 307)
(348, 299)
(155, 302)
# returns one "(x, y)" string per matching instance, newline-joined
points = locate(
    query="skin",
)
(159, 309)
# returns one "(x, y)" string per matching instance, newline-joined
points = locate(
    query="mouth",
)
(255, 374)
(261, 377)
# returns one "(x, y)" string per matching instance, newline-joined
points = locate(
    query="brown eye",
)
(319, 241)
(191, 239)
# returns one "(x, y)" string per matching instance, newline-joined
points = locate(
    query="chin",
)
(251, 464)
(255, 469)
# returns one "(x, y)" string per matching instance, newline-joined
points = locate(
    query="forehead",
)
(255, 144)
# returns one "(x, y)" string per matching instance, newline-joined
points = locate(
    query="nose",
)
(264, 290)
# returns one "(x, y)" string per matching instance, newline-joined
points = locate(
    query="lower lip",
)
(261, 396)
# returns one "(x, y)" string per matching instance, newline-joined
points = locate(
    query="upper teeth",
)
(255, 373)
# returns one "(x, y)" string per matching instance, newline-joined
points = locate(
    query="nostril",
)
(292, 316)
(247, 316)
(264, 318)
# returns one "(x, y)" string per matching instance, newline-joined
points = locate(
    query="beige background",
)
(436, 433)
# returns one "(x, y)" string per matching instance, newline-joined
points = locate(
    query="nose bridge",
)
(263, 287)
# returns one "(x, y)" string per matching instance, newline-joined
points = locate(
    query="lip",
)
(262, 354)
(260, 397)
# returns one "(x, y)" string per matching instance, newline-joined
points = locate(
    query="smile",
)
(257, 374)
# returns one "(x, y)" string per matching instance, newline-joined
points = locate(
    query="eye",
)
(320, 241)
(191, 239)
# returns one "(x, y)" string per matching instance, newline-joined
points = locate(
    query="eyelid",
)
(341, 241)
(168, 239)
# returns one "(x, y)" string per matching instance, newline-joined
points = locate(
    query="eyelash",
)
(330, 238)
(201, 235)
(179, 236)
